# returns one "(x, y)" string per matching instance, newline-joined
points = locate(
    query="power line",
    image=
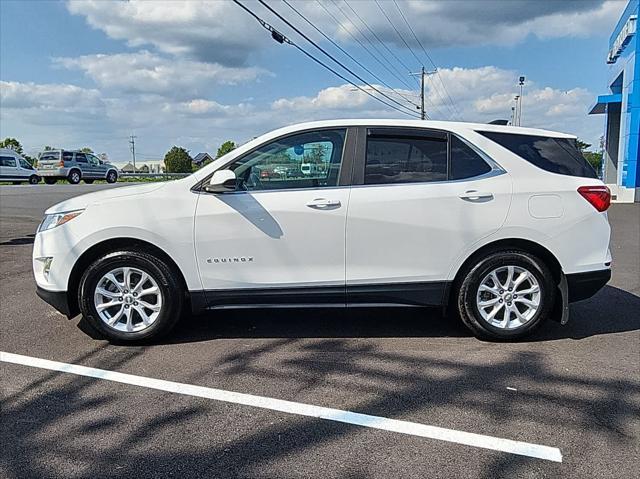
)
(327, 54)
(407, 69)
(422, 97)
(394, 74)
(397, 73)
(424, 50)
(348, 54)
(280, 38)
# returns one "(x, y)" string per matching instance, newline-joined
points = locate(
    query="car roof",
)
(10, 151)
(432, 124)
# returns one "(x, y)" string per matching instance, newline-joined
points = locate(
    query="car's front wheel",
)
(130, 296)
(112, 177)
(506, 295)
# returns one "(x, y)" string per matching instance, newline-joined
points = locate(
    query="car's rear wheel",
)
(34, 179)
(89, 182)
(50, 181)
(74, 177)
(130, 296)
(112, 177)
(506, 295)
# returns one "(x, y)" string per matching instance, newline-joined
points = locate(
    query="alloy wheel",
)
(508, 297)
(128, 299)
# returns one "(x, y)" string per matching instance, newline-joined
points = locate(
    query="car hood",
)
(82, 201)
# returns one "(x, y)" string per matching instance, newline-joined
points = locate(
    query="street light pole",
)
(521, 83)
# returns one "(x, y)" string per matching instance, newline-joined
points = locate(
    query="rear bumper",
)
(57, 299)
(584, 285)
(54, 172)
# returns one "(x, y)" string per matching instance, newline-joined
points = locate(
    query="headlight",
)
(57, 219)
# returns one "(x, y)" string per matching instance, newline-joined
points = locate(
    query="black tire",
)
(50, 181)
(471, 280)
(34, 179)
(168, 281)
(89, 182)
(112, 176)
(74, 177)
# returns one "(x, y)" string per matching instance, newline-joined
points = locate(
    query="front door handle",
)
(476, 196)
(324, 204)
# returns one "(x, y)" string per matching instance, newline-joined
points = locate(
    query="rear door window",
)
(555, 155)
(81, 158)
(7, 161)
(67, 156)
(405, 156)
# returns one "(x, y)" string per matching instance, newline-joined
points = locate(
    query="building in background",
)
(201, 158)
(621, 105)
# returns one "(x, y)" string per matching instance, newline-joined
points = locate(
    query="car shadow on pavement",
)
(612, 310)
(63, 425)
(26, 239)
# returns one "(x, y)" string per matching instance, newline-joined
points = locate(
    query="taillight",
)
(61, 164)
(598, 196)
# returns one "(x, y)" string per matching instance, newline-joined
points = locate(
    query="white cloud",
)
(146, 73)
(50, 98)
(85, 117)
(332, 98)
(220, 32)
(481, 95)
(212, 31)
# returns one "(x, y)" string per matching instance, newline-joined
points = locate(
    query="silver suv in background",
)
(74, 166)
(14, 168)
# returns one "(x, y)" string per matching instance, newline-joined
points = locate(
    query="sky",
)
(194, 74)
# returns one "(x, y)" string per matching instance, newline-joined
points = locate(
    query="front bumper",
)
(584, 285)
(58, 299)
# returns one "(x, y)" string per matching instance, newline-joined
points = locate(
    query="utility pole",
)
(132, 146)
(422, 73)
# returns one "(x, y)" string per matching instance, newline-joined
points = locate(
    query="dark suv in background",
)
(74, 166)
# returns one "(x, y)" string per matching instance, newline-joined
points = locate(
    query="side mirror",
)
(222, 181)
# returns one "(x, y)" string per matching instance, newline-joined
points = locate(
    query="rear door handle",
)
(476, 196)
(324, 204)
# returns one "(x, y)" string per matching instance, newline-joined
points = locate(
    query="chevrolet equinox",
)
(503, 225)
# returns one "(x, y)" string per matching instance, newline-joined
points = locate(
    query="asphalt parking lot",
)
(574, 388)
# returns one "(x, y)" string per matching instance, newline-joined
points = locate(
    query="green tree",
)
(225, 148)
(177, 160)
(582, 146)
(11, 143)
(86, 149)
(594, 159)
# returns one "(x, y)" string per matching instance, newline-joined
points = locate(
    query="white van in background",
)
(14, 168)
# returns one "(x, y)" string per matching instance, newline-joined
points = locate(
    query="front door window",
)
(305, 160)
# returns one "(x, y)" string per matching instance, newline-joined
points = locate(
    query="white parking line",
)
(365, 420)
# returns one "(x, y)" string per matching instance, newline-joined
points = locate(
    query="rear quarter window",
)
(555, 155)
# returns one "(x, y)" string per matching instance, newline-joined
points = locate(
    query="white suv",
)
(504, 225)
